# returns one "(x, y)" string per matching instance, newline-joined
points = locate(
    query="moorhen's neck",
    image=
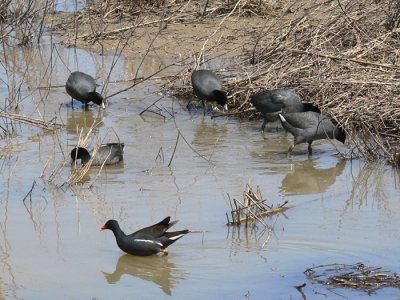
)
(118, 233)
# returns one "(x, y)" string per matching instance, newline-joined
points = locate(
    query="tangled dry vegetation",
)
(356, 276)
(21, 21)
(252, 211)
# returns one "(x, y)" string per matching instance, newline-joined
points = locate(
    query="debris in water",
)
(357, 276)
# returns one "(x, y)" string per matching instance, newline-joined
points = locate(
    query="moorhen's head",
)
(111, 225)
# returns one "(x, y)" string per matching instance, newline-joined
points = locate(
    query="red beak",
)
(103, 227)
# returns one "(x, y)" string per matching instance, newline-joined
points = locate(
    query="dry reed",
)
(252, 211)
(253, 208)
(49, 125)
(22, 21)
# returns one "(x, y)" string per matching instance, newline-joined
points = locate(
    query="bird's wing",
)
(281, 96)
(155, 230)
(303, 120)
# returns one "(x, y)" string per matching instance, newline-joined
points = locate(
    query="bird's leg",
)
(263, 125)
(204, 107)
(188, 105)
(263, 128)
(309, 149)
(72, 103)
(290, 150)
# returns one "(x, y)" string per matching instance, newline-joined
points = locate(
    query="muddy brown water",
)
(51, 246)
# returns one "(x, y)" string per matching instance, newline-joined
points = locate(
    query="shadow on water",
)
(154, 269)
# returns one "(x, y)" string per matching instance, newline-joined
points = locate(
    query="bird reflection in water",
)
(306, 178)
(82, 119)
(152, 268)
(208, 134)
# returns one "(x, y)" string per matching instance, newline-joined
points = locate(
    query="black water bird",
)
(270, 103)
(207, 86)
(309, 126)
(82, 87)
(147, 241)
(107, 154)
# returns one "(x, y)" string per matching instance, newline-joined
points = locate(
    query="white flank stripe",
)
(148, 241)
(176, 237)
(282, 118)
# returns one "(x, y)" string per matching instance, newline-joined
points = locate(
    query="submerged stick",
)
(176, 145)
(31, 121)
(30, 192)
(234, 113)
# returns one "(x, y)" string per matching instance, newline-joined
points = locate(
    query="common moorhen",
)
(147, 241)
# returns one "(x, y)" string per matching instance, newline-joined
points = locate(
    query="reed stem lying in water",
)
(50, 125)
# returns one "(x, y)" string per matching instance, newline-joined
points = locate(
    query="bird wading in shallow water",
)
(272, 102)
(107, 154)
(207, 86)
(147, 241)
(82, 87)
(309, 126)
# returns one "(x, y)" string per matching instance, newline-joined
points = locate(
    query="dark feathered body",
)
(147, 241)
(108, 154)
(82, 87)
(271, 103)
(207, 86)
(309, 126)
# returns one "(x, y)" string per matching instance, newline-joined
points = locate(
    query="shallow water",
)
(51, 244)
